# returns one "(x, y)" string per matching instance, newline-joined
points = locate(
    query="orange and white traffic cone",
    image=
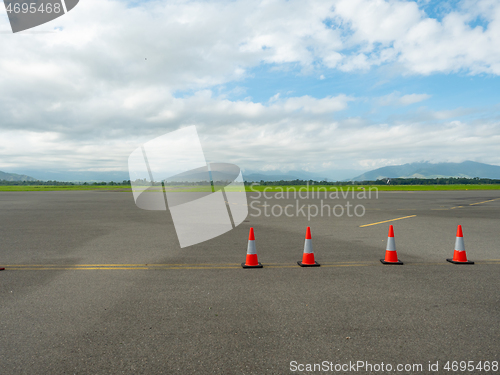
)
(308, 256)
(251, 261)
(459, 255)
(391, 256)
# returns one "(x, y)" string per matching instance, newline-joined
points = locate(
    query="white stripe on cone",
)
(391, 244)
(308, 246)
(251, 247)
(459, 244)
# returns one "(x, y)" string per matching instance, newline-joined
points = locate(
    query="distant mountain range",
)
(279, 175)
(15, 177)
(468, 169)
(73, 176)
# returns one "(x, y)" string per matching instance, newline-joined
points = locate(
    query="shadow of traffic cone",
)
(251, 261)
(308, 256)
(459, 255)
(391, 256)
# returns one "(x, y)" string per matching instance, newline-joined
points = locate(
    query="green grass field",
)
(304, 188)
(63, 188)
(379, 187)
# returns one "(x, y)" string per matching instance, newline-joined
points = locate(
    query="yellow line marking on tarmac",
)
(157, 266)
(470, 204)
(445, 263)
(333, 263)
(166, 268)
(122, 265)
(197, 268)
(491, 200)
(488, 261)
(224, 267)
(322, 265)
(480, 262)
(426, 263)
(473, 204)
(128, 265)
(72, 268)
(386, 221)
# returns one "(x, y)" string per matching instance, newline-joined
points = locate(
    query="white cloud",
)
(309, 104)
(398, 31)
(302, 132)
(118, 75)
(397, 99)
(413, 98)
(378, 21)
(187, 48)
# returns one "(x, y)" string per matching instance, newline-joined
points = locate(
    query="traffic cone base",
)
(315, 264)
(308, 255)
(256, 266)
(459, 255)
(391, 256)
(383, 261)
(457, 262)
(251, 259)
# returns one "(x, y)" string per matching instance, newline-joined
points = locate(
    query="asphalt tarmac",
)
(94, 285)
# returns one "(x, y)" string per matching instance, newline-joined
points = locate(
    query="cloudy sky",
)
(271, 85)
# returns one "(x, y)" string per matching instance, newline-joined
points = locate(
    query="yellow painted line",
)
(195, 268)
(72, 268)
(348, 265)
(452, 208)
(482, 262)
(184, 266)
(166, 268)
(115, 268)
(159, 265)
(445, 263)
(491, 200)
(386, 221)
(427, 263)
(82, 268)
(122, 265)
(334, 263)
(150, 265)
(324, 265)
(74, 265)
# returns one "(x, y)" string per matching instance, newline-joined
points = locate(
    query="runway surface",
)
(95, 285)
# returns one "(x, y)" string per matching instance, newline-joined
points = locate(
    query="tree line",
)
(385, 181)
(59, 183)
